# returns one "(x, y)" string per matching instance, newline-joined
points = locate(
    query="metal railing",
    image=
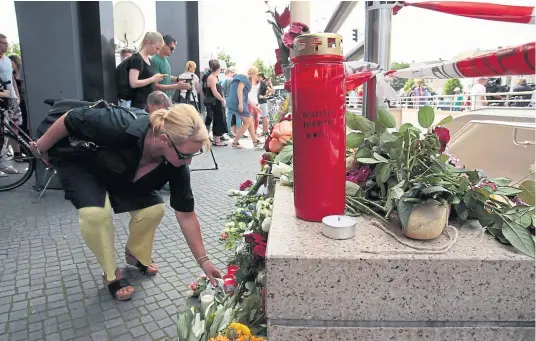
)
(461, 102)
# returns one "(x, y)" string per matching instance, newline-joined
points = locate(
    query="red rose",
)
(263, 162)
(249, 237)
(284, 18)
(259, 239)
(443, 135)
(260, 250)
(245, 185)
(223, 236)
(288, 85)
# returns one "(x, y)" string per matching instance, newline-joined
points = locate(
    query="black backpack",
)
(124, 90)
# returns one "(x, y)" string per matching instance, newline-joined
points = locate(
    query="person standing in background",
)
(17, 68)
(191, 78)
(421, 94)
(125, 53)
(141, 75)
(232, 121)
(160, 63)
(214, 103)
(478, 94)
(264, 93)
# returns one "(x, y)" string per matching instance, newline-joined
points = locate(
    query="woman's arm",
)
(135, 82)
(240, 93)
(212, 85)
(165, 87)
(56, 132)
(197, 84)
(192, 232)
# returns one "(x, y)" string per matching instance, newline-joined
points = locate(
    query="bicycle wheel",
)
(15, 170)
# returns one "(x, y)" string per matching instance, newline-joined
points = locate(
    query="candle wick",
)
(339, 218)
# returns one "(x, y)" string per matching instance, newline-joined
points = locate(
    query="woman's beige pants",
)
(99, 234)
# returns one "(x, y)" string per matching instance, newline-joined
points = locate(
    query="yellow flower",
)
(240, 329)
(219, 338)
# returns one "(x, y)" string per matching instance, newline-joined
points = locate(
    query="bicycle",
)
(25, 164)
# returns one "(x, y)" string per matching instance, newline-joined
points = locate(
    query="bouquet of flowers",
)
(389, 170)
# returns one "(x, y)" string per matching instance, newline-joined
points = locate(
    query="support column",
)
(377, 48)
(180, 19)
(301, 11)
(70, 57)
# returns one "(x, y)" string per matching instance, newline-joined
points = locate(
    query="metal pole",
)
(377, 48)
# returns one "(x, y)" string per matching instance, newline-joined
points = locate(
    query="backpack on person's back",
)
(124, 90)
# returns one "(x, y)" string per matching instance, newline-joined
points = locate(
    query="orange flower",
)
(219, 338)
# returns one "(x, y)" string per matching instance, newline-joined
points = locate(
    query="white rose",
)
(285, 181)
(266, 224)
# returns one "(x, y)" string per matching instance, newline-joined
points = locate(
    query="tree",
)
(398, 83)
(222, 55)
(452, 84)
(14, 48)
(268, 71)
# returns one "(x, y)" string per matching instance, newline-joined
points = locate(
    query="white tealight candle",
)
(206, 300)
(338, 227)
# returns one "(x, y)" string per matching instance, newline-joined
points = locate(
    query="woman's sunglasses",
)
(183, 156)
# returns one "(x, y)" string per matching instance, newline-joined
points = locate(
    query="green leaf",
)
(405, 127)
(387, 137)
(367, 161)
(496, 231)
(434, 189)
(501, 181)
(454, 200)
(507, 191)
(426, 116)
(285, 155)
(444, 121)
(378, 127)
(528, 192)
(444, 158)
(373, 139)
(250, 286)
(363, 152)
(361, 123)
(403, 209)
(354, 140)
(386, 118)
(384, 172)
(380, 158)
(519, 237)
(352, 188)
(461, 211)
(520, 214)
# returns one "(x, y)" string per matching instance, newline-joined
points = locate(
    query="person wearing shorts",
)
(264, 92)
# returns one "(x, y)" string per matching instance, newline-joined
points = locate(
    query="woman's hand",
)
(211, 271)
(240, 107)
(5, 93)
(158, 77)
(182, 85)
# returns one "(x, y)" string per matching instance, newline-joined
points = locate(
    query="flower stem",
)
(367, 210)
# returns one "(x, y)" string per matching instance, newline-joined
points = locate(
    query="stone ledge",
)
(406, 334)
(311, 277)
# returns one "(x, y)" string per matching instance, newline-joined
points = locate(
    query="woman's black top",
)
(139, 95)
(111, 168)
(207, 91)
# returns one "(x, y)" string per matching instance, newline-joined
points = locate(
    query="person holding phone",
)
(141, 75)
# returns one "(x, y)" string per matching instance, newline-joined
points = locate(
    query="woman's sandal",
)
(219, 144)
(237, 145)
(144, 269)
(117, 285)
(256, 143)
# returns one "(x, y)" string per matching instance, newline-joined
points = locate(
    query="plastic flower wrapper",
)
(280, 169)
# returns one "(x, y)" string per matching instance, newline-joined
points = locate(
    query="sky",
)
(240, 28)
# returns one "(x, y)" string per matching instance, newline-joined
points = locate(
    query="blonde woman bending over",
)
(141, 155)
(141, 75)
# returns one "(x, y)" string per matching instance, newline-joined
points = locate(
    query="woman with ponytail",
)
(133, 159)
(141, 75)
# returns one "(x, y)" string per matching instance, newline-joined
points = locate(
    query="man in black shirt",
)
(523, 87)
(132, 157)
(264, 92)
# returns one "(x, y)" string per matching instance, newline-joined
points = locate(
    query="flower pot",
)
(427, 220)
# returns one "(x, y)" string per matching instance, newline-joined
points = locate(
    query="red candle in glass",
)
(232, 269)
(229, 283)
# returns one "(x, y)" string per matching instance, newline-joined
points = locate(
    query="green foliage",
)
(452, 84)
(222, 55)
(13, 48)
(398, 83)
(267, 70)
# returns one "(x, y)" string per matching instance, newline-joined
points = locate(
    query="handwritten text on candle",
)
(314, 122)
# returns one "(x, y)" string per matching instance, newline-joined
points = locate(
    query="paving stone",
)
(50, 282)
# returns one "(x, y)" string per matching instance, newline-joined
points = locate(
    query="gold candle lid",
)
(318, 44)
